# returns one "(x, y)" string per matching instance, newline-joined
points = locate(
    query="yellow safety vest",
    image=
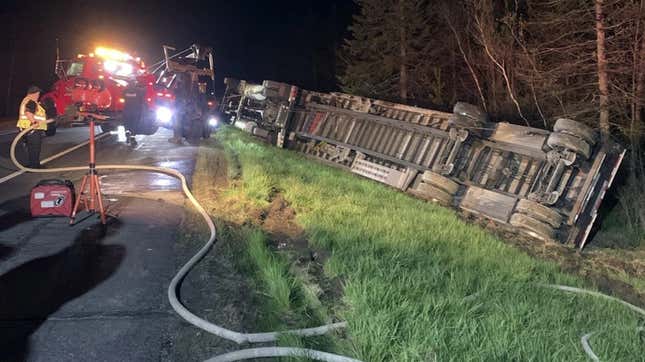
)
(40, 116)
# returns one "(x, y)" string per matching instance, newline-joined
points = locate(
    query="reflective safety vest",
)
(40, 116)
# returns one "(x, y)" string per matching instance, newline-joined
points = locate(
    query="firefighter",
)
(31, 113)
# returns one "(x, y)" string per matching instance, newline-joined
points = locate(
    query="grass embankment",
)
(418, 283)
(284, 298)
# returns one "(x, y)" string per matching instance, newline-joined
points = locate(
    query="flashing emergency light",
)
(125, 69)
(111, 66)
(112, 54)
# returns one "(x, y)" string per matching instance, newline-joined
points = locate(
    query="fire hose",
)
(585, 339)
(242, 338)
(175, 283)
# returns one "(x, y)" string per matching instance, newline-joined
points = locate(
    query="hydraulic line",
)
(175, 283)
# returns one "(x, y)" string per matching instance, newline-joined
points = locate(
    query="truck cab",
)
(96, 82)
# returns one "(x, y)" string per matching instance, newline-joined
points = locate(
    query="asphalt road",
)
(75, 293)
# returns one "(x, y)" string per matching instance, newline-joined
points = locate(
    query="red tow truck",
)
(100, 82)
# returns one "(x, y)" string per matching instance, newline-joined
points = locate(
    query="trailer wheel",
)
(432, 193)
(440, 181)
(148, 125)
(194, 132)
(469, 113)
(532, 227)
(567, 141)
(539, 212)
(207, 131)
(461, 121)
(571, 127)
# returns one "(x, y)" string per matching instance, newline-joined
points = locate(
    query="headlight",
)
(164, 115)
(212, 121)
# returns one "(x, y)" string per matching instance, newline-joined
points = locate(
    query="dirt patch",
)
(278, 220)
(599, 266)
(216, 184)
(595, 266)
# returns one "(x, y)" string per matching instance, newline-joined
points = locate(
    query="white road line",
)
(58, 155)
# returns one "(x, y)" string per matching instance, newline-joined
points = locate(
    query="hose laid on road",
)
(187, 315)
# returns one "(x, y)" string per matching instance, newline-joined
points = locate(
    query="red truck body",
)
(97, 81)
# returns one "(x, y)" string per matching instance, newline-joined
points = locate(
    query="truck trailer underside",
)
(544, 184)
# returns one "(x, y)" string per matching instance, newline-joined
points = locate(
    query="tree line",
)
(530, 61)
(524, 61)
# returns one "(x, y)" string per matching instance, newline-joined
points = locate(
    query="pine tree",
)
(386, 50)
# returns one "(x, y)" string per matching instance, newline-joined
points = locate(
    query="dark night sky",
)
(288, 40)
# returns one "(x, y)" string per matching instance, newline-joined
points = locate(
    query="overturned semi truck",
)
(544, 184)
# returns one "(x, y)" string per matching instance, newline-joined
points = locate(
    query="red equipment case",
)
(52, 198)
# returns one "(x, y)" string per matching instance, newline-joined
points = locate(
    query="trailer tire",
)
(440, 181)
(471, 112)
(207, 131)
(148, 126)
(432, 193)
(539, 212)
(571, 127)
(567, 141)
(195, 131)
(532, 227)
(461, 121)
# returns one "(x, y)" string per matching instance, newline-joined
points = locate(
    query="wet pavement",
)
(85, 293)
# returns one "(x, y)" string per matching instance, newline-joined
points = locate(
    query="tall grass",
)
(272, 272)
(624, 225)
(632, 202)
(421, 285)
(283, 299)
